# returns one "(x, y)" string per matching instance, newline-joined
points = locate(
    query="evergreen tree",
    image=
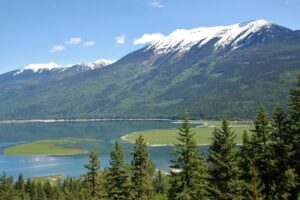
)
(7, 191)
(283, 173)
(245, 158)
(20, 188)
(189, 173)
(249, 173)
(262, 152)
(161, 185)
(117, 180)
(158, 183)
(33, 193)
(40, 192)
(140, 166)
(294, 114)
(91, 178)
(56, 193)
(48, 189)
(223, 165)
(28, 186)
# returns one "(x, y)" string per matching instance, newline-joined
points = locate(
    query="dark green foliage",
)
(92, 177)
(160, 183)
(141, 168)
(294, 114)
(117, 178)
(245, 158)
(223, 165)
(283, 171)
(262, 152)
(189, 174)
(20, 188)
(7, 191)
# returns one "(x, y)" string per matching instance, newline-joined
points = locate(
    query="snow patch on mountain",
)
(98, 63)
(39, 68)
(182, 40)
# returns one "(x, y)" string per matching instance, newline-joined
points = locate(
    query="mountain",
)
(38, 74)
(213, 72)
(224, 37)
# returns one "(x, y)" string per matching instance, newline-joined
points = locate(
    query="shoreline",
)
(21, 121)
(123, 138)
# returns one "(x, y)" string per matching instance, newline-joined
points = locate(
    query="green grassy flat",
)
(48, 147)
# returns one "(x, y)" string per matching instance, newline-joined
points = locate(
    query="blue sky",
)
(76, 31)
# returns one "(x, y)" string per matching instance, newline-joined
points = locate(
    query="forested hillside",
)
(213, 79)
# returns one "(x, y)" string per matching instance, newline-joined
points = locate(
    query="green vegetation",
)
(92, 179)
(265, 167)
(117, 177)
(223, 161)
(189, 175)
(49, 147)
(53, 179)
(203, 135)
(142, 170)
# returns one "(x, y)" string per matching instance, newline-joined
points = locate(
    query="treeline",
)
(265, 167)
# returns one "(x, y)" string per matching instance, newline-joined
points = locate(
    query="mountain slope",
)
(235, 70)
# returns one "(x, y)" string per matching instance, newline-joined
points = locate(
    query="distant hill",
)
(213, 72)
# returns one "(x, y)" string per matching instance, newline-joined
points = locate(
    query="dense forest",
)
(265, 167)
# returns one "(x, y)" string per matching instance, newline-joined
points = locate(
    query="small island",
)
(203, 133)
(49, 147)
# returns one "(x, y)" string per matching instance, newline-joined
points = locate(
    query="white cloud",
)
(74, 41)
(155, 4)
(57, 48)
(120, 39)
(88, 43)
(147, 38)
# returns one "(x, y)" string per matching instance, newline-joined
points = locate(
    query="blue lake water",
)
(106, 133)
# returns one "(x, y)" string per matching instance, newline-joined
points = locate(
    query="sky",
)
(79, 31)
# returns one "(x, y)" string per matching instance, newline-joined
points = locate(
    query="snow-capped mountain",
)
(39, 68)
(213, 72)
(52, 66)
(37, 74)
(98, 64)
(232, 37)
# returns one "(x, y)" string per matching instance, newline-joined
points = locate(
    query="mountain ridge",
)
(143, 84)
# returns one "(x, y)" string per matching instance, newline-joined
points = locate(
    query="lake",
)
(106, 133)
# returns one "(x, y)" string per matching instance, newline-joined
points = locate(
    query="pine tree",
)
(40, 192)
(33, 193)
(28, 186)
(223, 165)
(245, 158)
(283, 173)
(189, 173)
(47, 188)
(158, 183)
(249, 173)
(294, 114)
(92, 175)
(262, 152)
(117, 179)
(140, 166)
(56, 193)
(20, 188)
(7, 190)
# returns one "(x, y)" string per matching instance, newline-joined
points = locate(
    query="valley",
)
(204, 112)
